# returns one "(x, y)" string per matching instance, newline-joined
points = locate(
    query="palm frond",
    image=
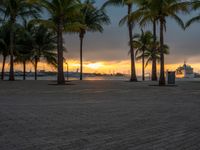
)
(193, 20)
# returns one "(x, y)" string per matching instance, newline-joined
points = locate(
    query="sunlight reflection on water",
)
(120, 78)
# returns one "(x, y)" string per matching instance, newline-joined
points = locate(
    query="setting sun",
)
(95, 65)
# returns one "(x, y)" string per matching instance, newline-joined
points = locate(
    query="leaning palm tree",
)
(61, 13)
(130, 24)
(163, 9)
(141, 43)
(91, 19)
(14, 9)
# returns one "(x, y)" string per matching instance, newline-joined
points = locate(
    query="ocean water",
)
(75, 78)
(120, 78)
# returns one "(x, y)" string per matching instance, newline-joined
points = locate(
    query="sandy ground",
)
(99, 115)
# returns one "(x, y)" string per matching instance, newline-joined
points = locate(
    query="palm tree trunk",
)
(11, 75)
(130, 28)
(81, 54)
(143, 72)
(35, 65)
(162, 63)
(154, 65)
(24, 70)
(3, 68)
(60, 79)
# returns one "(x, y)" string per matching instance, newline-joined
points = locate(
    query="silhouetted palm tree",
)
(91, 19)
(163, 9)
(14, 9)
(4, 45)
(44, 46)
(23, 56)
(24, 46)
(151, 53)
(61, 13)
(146, 15)
(129, 4)
(142, 43)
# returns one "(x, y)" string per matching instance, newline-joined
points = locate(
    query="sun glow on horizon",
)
(95, 65)
(105, 67)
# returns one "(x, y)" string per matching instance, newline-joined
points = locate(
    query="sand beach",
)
(99, 115)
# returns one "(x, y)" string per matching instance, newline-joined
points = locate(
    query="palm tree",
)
(145, 14)
(44, 46)
(163, 9)
(4, 52)
(91, 20)
(130, 24)
(142, 43)
(23, 56)
(151, 53)
(24, 46)
(61, 13)
(4, 45)
(14, 9)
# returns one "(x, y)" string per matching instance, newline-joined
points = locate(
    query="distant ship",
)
(185, 71)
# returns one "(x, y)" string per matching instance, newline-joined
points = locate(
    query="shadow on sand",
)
(168, 85)
(66, 83)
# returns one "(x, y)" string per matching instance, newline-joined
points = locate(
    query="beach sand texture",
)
(99, 115)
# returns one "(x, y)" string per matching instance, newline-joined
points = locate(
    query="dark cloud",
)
(110, 45)
(113, 43)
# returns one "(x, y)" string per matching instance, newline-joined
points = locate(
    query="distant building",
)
(185, 71)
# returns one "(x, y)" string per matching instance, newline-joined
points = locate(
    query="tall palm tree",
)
(147, 15)
(61, 13)
(163, 9)
(5, 53)
(154, 61)
(44, 46)
(91, 19)
(14, 9)
(130, 24)
(4, 45)
(142, 43)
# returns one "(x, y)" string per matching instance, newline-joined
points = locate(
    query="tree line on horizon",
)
(27, 36)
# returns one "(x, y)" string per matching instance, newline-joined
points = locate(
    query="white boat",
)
(185, 71)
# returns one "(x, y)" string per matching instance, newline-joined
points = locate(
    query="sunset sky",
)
(107, 52)
(111, 47)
